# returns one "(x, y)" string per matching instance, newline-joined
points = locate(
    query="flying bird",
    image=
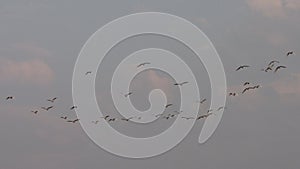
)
(272, 63)
(128, 94)
(289, 53)
(202, 101)
(279, 67)
(88, 72)
(52, 100)
(210, 110)
(64, 117)
(220, 108)
(242, 67)
(112, 120)
(204, 116)
(232, 94)
(250, 88)
(47, 108)
(34, 111)
(168, 105)
(181, 84)
(246, 83)
(9, 97)
(127, 119)
(143, 64)
(73, 121)
(73, 107)
(105, 117)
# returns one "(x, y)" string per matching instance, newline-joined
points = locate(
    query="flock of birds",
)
(272, 66)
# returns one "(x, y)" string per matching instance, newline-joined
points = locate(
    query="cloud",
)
(289, 85)
(274, 8)
(31, 49)
(33, 71)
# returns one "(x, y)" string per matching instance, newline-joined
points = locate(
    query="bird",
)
(105, 117)
(188, 118)
(220, 108)
(242, 67)
(279, 67)
(64, 117)
(181, 84)
(88, 72)
(47, 108)
(210, 110)
(273, 62)
(246, 83)
(73, 107)
(202, 101)
(204, 116)
(73, 121)
(127, 119)
(269, 68)
(246, 89)
(9, 97)
(35, 111)
(250, 88)
(289, 53)
(128, 94)
(143, 64)
(112, 120)
(52, 100)
(232, 94)
(169, 105)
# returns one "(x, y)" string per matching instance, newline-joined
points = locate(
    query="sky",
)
(40, 42)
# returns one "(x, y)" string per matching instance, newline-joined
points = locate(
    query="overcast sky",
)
(40, 42)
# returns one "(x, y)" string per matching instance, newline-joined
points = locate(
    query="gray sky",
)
(39, 44)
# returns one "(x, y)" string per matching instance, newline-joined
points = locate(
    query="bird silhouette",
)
(246, 83)
(202, 101)
(242, 67)
(64, 117)
(73, 107)
(52, 100)
(73, 121)
(34, 111)
(273, 62)
(88, 72)
(127, 119)
(128, 94)
(181, 84)
(9, 97)
(220, 108)
(105, 117)
(289, 53)
(279, 67)
(112, 120)
(47, 108)
(168, 105)
(232, 94)
(204, 116)
(250, 88)
(143, 64)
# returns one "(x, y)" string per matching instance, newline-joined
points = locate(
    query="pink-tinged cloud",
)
(31, 49)
(274, 8)
(33, 71)
(289, 85)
